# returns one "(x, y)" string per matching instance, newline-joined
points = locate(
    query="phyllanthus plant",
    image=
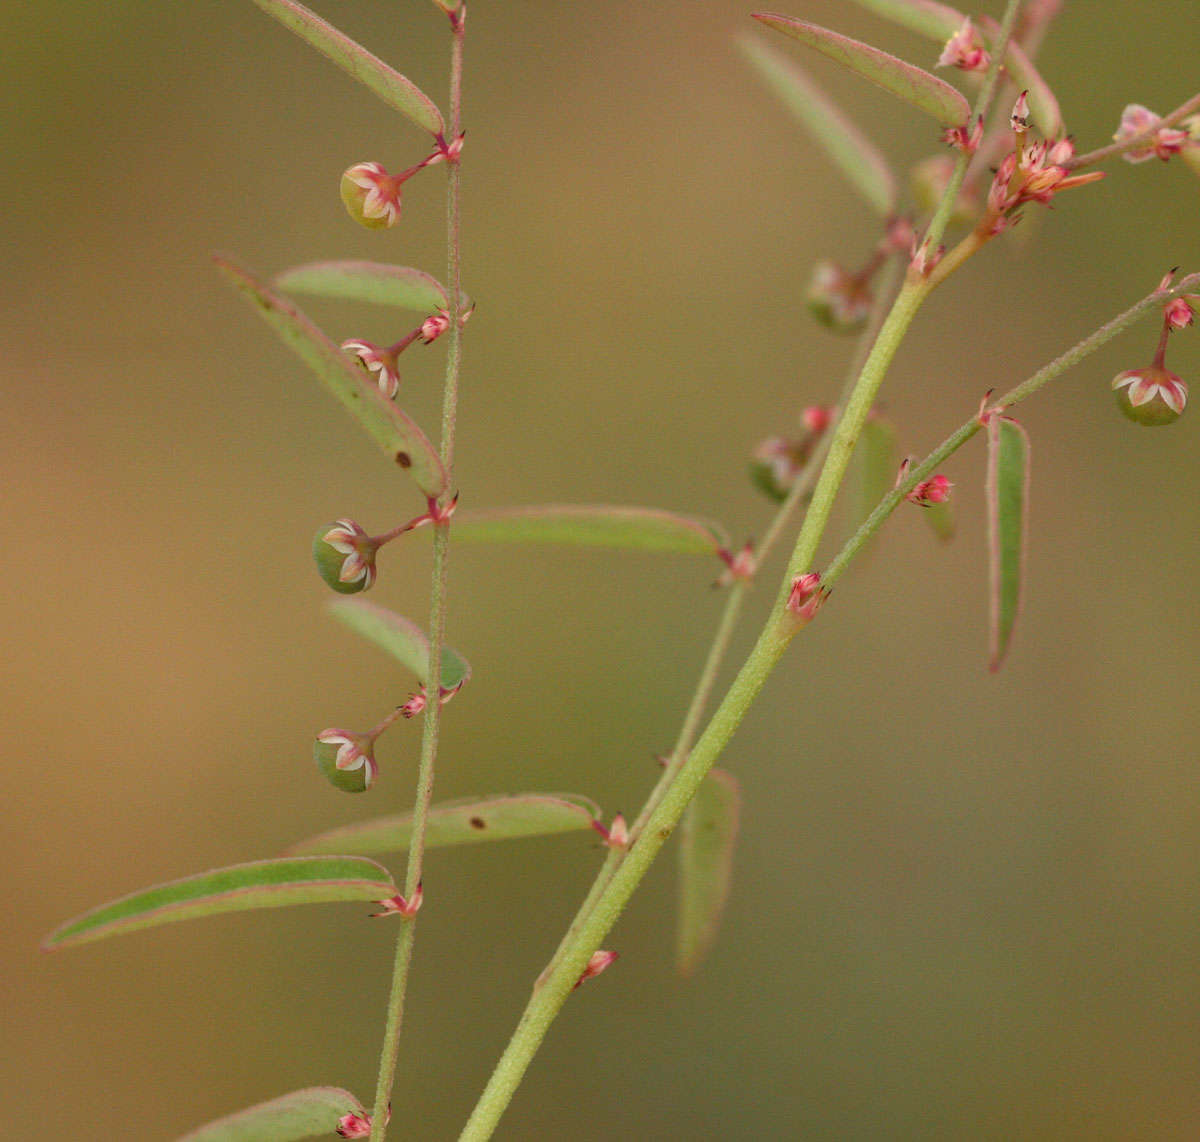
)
(1005, 151)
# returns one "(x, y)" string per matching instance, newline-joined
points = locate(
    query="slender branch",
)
(1021, 392)
(801, 487)
(437, 608)
(1140, 140)
(626, 873)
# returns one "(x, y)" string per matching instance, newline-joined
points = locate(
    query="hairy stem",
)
(437, 614)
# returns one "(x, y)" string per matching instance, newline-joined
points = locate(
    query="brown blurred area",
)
(966, 905)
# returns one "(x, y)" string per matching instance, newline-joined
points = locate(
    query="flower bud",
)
(345, 556)
(1178, 313)
(935, 490)
(346, 759)
(837, 299)
(806, 595)
(598, 962)
(1151, 396)
(371, 195)
(965, 50)
(1165, 142)
(354, 1125)
(433, 327)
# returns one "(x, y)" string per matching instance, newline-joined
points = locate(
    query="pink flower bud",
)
(965, 138)
(415, 705)
(965, 50)
(433, 327)
(346, 759)
(1178, 313)
(806, 595)
(398, 906)
(371, 195)
(345, 556)
(383, 363)
(1165, 142)
(935, 490)
(354, 1125)
(739, 566)
(598, 963)
(1150, 396)
(816, 418)
(1020, 113)
(616, 835)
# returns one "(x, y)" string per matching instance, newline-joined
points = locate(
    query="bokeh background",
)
(966, 905)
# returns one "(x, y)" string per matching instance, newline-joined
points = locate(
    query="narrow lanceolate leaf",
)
(875, 466)
(309, 1113)
(851, 151)
(925, 17)
(367, 281)
(904, 80)
(1007, 497)
(238, 888)
(594, 525)
(392, 87)
(464, 822)
(402, 639)
(399, 436)
(707, 838)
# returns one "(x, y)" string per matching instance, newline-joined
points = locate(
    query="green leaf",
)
(936, 21)
(367, 281)
(939, 22)
(594, 525)
(392, 87)
(875, 466)
(401, 638)
(851, 151)
(238, 888)
(904, 80)
(707, 837)
(1007, 494)
(463, 822)
(307, 1113)
(399, 437)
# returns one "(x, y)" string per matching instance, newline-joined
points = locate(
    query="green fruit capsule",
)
(1150, 396)
(357, 776)
(345, 556)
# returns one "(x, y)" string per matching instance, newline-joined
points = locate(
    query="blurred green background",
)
(966, 905)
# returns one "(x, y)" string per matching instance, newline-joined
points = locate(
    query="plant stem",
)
(801, 487)
(964, 432)
(1169, 120)
(556, 986)
(437, 613)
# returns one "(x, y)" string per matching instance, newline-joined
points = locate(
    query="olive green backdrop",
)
(966, 905)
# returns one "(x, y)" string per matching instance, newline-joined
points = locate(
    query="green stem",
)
(801, 487)
(625, 873)
(556, 986)
(965, 431)
(389, 1052)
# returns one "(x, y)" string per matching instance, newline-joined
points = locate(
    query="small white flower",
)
(383, 364)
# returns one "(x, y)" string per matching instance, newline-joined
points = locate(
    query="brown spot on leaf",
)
(404, 459)
(478, 823)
